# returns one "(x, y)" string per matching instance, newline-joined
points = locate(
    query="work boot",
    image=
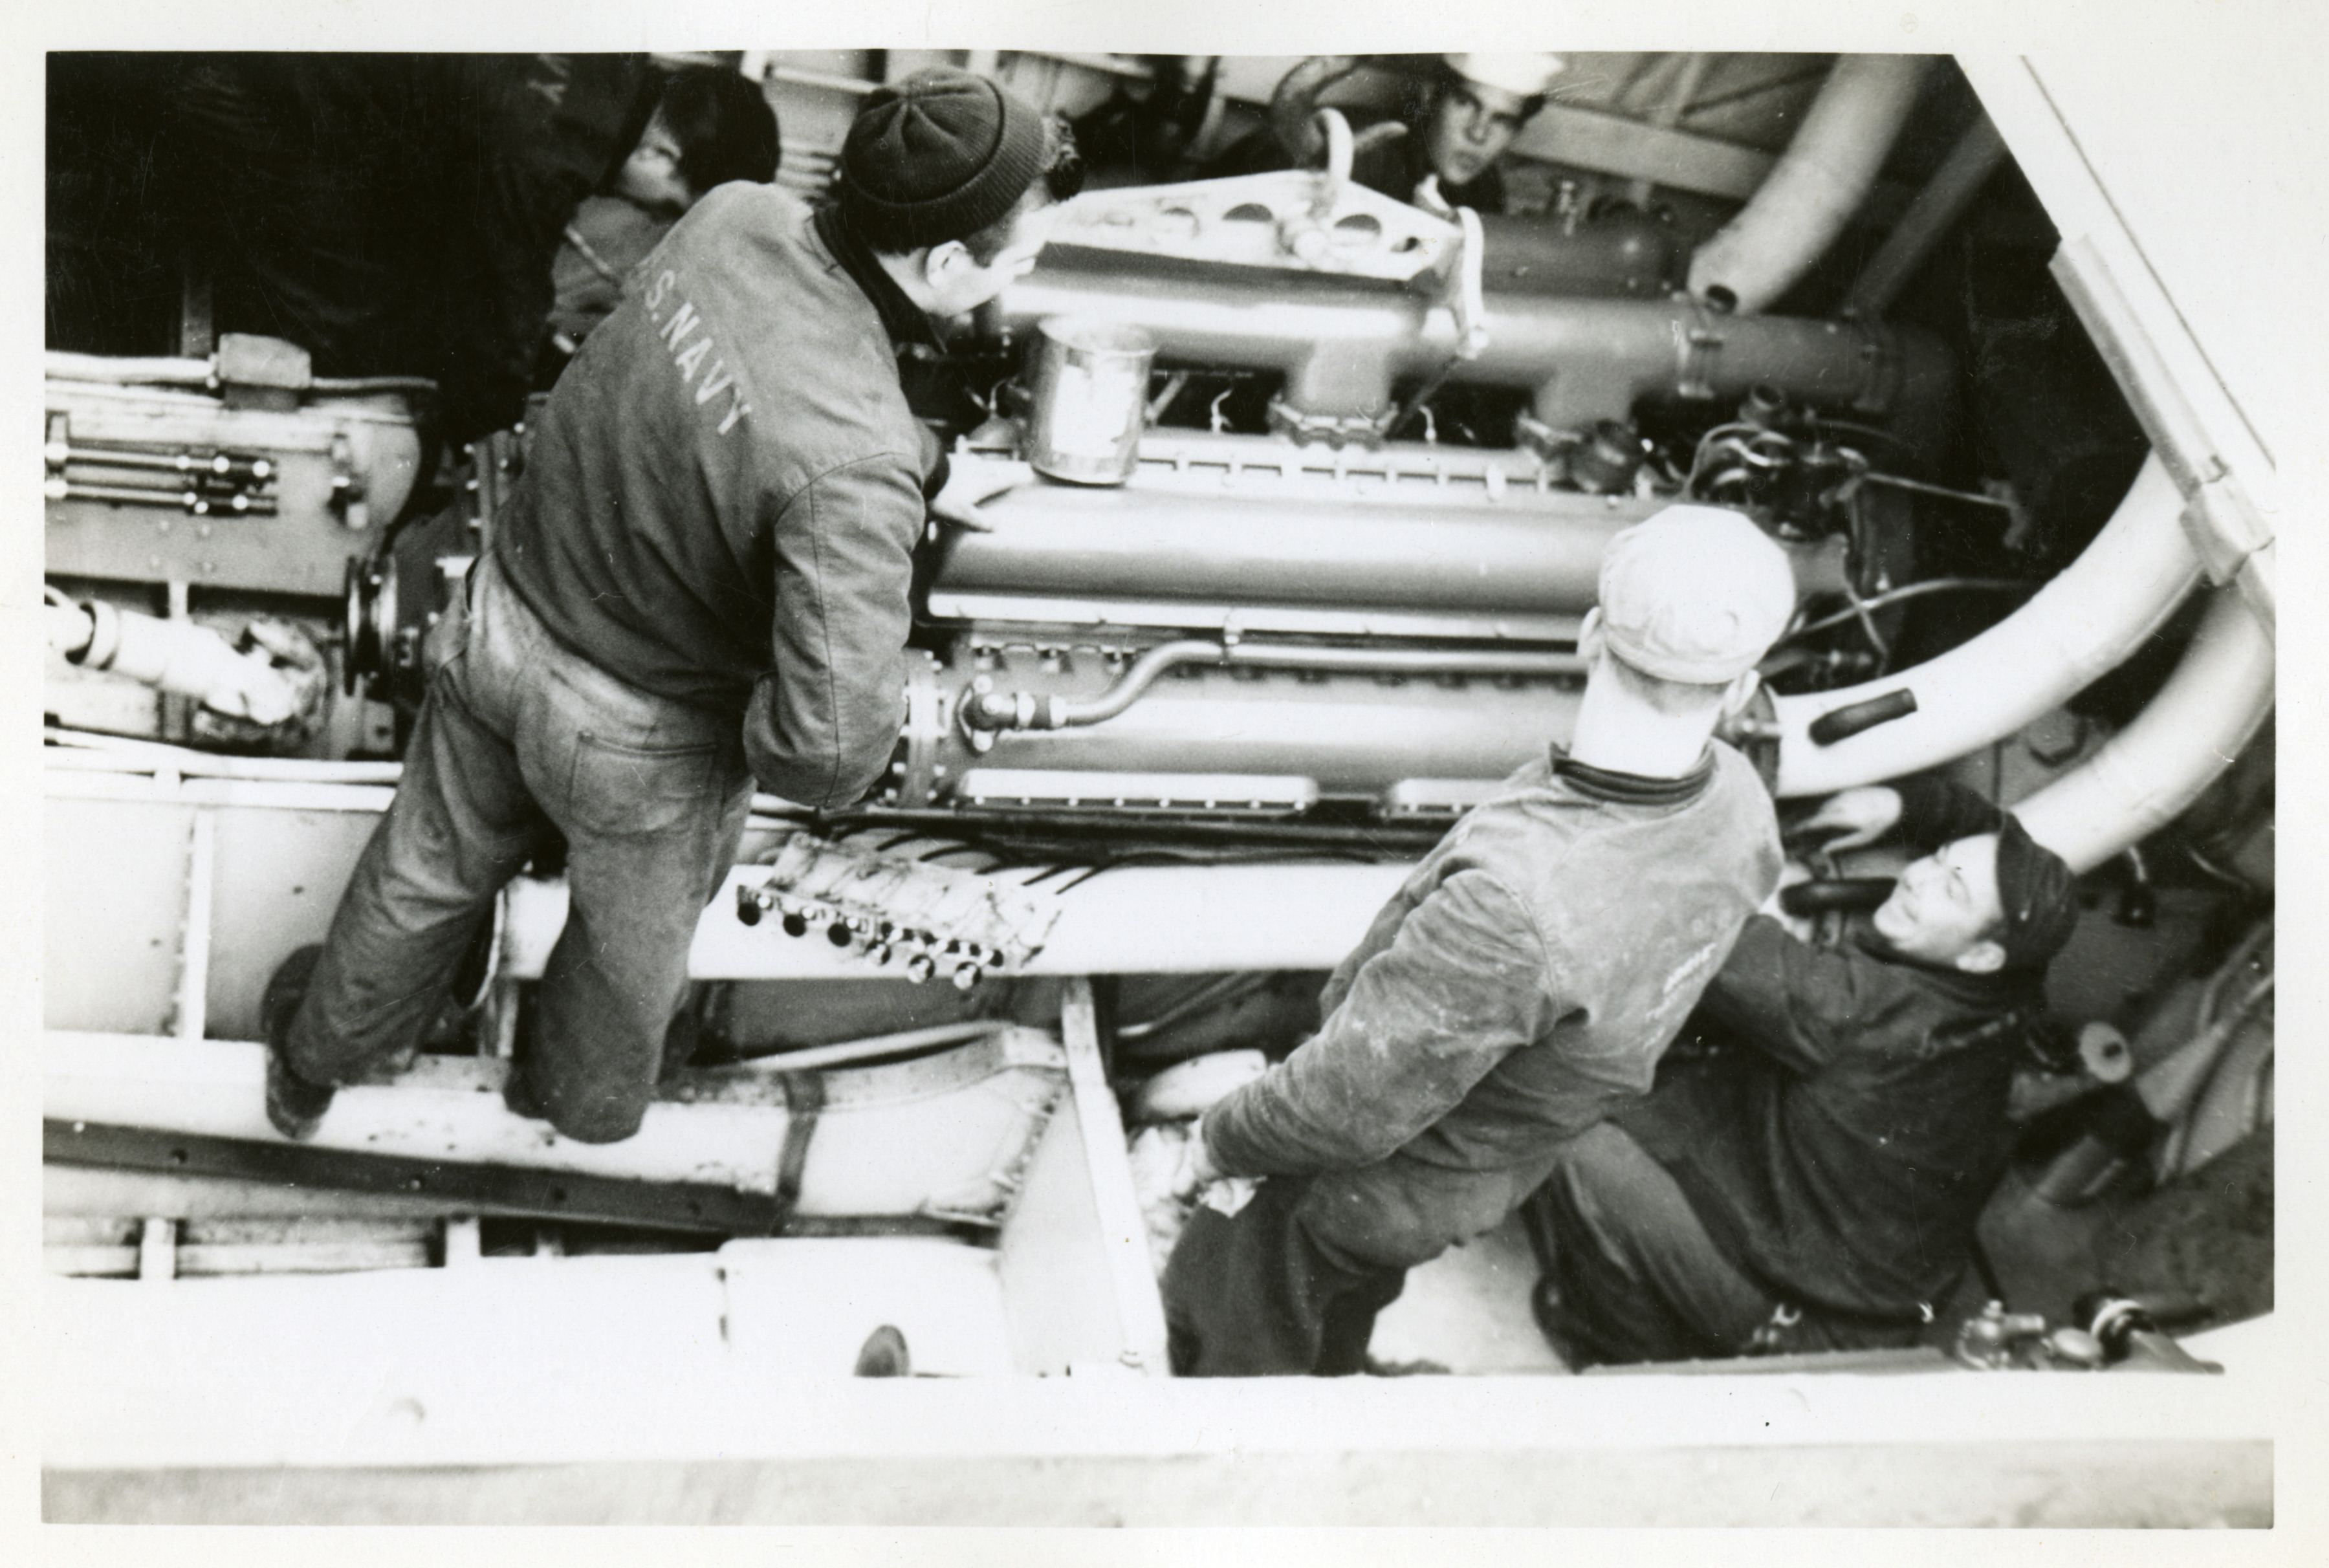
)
(884, 1354)
(518, 1095)
(1420, 1367)
(1552, 1321)
(294, 1104)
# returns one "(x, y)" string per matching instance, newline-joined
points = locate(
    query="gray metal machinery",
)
(1329, 615)
(1191, 723)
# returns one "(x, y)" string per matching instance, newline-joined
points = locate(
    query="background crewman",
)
(1814, 1185)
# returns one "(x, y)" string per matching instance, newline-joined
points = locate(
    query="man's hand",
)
(1197, 1168)
(1794, 926)
(281, 677)
(1850, 818)
(971, 480)
(272, 694)
(1429, 198)
(1293, 104)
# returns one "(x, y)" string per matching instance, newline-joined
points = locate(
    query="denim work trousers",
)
(1640, 1280)
(1291, 1283)
(519, 734)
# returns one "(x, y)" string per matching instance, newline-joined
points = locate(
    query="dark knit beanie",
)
(2040, 896)
(938, 157)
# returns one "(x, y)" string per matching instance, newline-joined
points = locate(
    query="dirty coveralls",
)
(1812, 1184)
(1522, 983)
(702, 578)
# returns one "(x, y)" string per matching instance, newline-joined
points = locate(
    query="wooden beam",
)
(924, 1134)
(1124, 1234)
(1614, 145)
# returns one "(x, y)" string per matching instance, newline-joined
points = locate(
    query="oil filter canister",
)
(1091, 399)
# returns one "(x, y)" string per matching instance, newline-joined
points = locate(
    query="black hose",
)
(1804, 899)
(1916, 590)
(1842, 723)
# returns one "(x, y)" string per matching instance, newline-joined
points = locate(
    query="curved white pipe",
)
(2079, 626)
(2210, 707)
(1825, 173)
(61, 366)
(83, 751)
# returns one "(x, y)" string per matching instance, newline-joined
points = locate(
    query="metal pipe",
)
(1353, 734)
(182, 658)
(2081, 624)
(1491, 661)
(1825, 175)
(192, 503)
(369, 386)
(1002, 709)
(1939, 492)
(80, 750)
(154, 371)
(147, 789)
(1623, 253)
(1594, 359)
(800, 76)
(845, 1053)
(1916, 590)
(1137, 679)
(2211, 707)
(70, 626)
(241, 469)
(1212, 993)
(1936, 209)
(1340, 342)
(1150, 539)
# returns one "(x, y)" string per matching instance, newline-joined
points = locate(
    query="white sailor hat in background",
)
(1523, 75)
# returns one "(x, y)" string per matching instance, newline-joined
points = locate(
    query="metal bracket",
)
(348, 497)
(369, 621)
(507, 1190)
(491, 1189)
(1292, 220)
(1883, 367)
(1697, 351)
(1756, 731)
(2227, 529)
(804, 1104)
(1336, 430)
(197, 480)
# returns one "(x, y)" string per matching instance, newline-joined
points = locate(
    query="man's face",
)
(958, 283)
(1944, 906)
(1469, 128)
(650, 176)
